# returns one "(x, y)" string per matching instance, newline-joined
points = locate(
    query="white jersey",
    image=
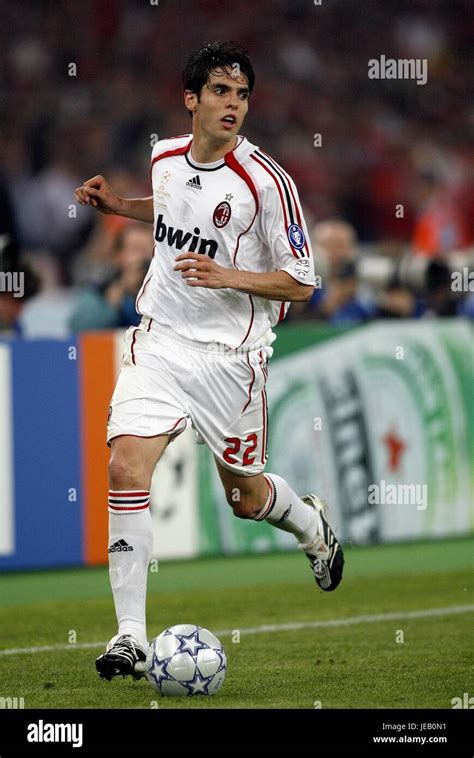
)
(244, 212)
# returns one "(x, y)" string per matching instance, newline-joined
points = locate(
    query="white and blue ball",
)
(186, 660)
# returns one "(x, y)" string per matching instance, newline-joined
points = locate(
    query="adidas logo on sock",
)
(194, 182)
(119, 546)
(285, 515)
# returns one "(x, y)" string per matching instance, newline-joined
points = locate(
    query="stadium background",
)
(371, 382)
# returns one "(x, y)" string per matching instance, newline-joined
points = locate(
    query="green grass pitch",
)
(402, 660)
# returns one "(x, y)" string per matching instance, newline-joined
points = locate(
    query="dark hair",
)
(214, 55)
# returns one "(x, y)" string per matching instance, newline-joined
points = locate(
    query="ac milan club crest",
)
(222, 214)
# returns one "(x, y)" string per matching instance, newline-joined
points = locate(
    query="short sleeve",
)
(283, 229)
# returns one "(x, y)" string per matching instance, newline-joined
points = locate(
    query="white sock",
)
(285, 510)
(130, 526)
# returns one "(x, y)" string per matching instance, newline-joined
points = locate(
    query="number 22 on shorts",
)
(234, 446)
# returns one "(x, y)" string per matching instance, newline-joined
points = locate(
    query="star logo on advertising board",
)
(395, 449)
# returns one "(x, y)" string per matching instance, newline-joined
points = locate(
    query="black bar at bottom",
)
(213, 731)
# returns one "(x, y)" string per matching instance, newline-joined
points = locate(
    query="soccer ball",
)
(186, 660)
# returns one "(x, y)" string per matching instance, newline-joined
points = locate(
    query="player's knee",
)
(125, 473)
(245, 507)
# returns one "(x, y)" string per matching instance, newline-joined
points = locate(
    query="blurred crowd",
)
(384, 168)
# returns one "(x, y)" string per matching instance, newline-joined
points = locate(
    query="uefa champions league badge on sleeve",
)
(296, 236)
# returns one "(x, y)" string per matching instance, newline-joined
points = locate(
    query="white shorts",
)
(167, 383)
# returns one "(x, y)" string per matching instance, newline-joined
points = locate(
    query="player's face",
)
(222, 106)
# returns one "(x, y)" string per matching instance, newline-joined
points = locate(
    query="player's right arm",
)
(98, 193)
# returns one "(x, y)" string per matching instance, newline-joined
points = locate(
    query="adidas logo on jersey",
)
(120, 546)
(178, 238)
(195, 182)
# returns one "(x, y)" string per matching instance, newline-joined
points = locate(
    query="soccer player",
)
(231, 253)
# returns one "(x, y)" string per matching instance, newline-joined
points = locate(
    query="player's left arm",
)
(201, 271)
(281, 228)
